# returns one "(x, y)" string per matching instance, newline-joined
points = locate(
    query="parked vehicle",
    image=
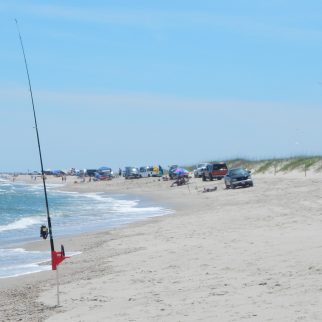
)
(238, 177)
(80, 173)
(145, 172)
(215, 171)
(126, 169)
(157, 171)
(150, 171)
(103, 173)
(172, 170)
(91, 172)
(58, 173)
(199, 170)
(131, 173)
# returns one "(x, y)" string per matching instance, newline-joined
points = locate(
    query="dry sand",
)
(249, 254)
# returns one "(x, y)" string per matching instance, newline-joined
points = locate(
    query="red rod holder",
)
(57, 258)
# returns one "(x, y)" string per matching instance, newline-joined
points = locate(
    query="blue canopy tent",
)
(103, 173)
(58, 172)
(104, 169)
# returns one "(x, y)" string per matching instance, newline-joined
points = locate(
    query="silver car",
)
(200, 168)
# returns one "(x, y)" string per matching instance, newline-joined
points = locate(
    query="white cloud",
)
(141, 101)
(267, 26)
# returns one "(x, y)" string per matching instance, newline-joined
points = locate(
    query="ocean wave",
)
(18, 261)
(5, 184)
(22, 223)
(23, 270)
(106, 206)
(71, 212)
(54, 185)
(12, 250)
(33, 187)
(124, 209)
(66, 192)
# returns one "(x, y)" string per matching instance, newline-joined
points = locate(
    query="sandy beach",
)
(250, 254)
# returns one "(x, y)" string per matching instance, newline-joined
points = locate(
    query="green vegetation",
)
(247, 164)
(301, 163)
(269, 165)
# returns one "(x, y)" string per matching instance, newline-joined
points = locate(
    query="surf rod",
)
(38, 140)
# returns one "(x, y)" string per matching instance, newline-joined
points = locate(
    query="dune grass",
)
(269, 165)
(302, 163)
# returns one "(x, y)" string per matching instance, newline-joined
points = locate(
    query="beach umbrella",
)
(57, 172)
(104, 168)
(181, 171)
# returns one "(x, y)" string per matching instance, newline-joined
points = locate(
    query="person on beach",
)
(160, 171)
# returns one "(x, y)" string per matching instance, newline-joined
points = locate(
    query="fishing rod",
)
(38, 141)
(56, 257)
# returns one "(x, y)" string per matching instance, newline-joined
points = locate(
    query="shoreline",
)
(224, 255)
(27, 288)
(37, 244)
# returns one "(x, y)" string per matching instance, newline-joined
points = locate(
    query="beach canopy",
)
(57, 172)
(104, 169)
(181, 171)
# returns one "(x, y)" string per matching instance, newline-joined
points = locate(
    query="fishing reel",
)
(43, 231)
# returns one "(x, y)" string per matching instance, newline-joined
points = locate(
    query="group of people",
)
(179, 181)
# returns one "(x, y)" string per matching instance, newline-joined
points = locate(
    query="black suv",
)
(238, 177)
(131, 173)
(215, 171)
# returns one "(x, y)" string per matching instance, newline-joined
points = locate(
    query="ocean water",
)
(23, 211)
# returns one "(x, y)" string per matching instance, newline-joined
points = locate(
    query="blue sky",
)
(143, 82)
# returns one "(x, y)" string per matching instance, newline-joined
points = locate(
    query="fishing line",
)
(38, 140)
